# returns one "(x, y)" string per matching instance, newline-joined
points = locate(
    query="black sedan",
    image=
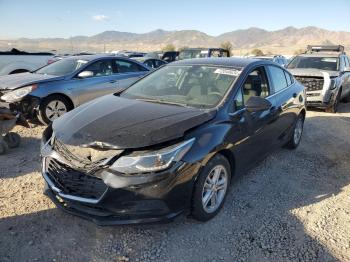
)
(173, 142)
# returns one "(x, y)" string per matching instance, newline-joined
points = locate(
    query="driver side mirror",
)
(257, 103)
(85, 74)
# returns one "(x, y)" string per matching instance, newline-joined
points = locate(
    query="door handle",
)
(112, 81)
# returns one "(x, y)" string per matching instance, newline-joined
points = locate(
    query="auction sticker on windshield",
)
(225, 71)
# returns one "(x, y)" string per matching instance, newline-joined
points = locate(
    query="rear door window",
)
(278, 79)
(124, 66)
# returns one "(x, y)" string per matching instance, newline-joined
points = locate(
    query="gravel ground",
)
(294, 206)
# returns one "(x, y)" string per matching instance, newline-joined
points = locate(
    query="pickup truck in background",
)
(16, 61)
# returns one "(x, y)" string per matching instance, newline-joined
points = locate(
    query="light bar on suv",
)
(325, 48)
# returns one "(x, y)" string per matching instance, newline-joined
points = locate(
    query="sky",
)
(66, 18)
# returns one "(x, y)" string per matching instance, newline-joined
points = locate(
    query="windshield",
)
(323, 63)
(193, 86)
(62, 67)
(188, 54)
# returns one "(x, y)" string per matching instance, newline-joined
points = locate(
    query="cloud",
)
(100, 18)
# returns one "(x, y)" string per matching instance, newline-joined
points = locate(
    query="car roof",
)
(92, 57)
(203, 48)
(321, 54)
(143, 59)
(222, 61)
(263, 57)
(98, 56)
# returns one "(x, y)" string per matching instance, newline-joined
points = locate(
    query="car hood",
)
(14, 81)
(127, 123)
(312, 72)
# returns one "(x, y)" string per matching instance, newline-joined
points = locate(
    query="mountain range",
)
(285, 41)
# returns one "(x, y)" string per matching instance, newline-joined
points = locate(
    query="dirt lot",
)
(293, 207)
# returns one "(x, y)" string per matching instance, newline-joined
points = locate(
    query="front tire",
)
(53, 107)
(334, 107)
(211, 188)
(294, 141)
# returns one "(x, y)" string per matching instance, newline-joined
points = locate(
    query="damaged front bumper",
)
(321, 91)
(321, 99)
(111, 198)
(28, 106)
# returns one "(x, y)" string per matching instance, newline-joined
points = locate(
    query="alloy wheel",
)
(214, 189)
(55, 109)
(298, 130)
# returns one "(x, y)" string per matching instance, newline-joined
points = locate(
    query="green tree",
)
(257, 52)
(168, 47)
(227, 45)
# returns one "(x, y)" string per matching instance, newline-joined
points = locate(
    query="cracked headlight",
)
(151, 161)
(18, 94)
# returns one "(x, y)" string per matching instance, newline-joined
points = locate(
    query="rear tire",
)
(334, 107)
(211, 188)
(53, 107)
(294, 141)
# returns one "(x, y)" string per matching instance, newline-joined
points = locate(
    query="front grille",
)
(75, 158)
(311, 83)
(83, 158)
(73, 182)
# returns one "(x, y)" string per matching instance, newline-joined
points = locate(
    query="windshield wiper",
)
(158, 101)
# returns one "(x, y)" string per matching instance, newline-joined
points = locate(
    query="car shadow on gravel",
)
(263, 218)
(344, 108)
(45, 236)
(22, 160)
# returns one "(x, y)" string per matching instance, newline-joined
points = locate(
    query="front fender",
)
(209, 141)
(50, 88)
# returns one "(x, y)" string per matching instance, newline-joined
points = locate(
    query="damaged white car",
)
(325, 72)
